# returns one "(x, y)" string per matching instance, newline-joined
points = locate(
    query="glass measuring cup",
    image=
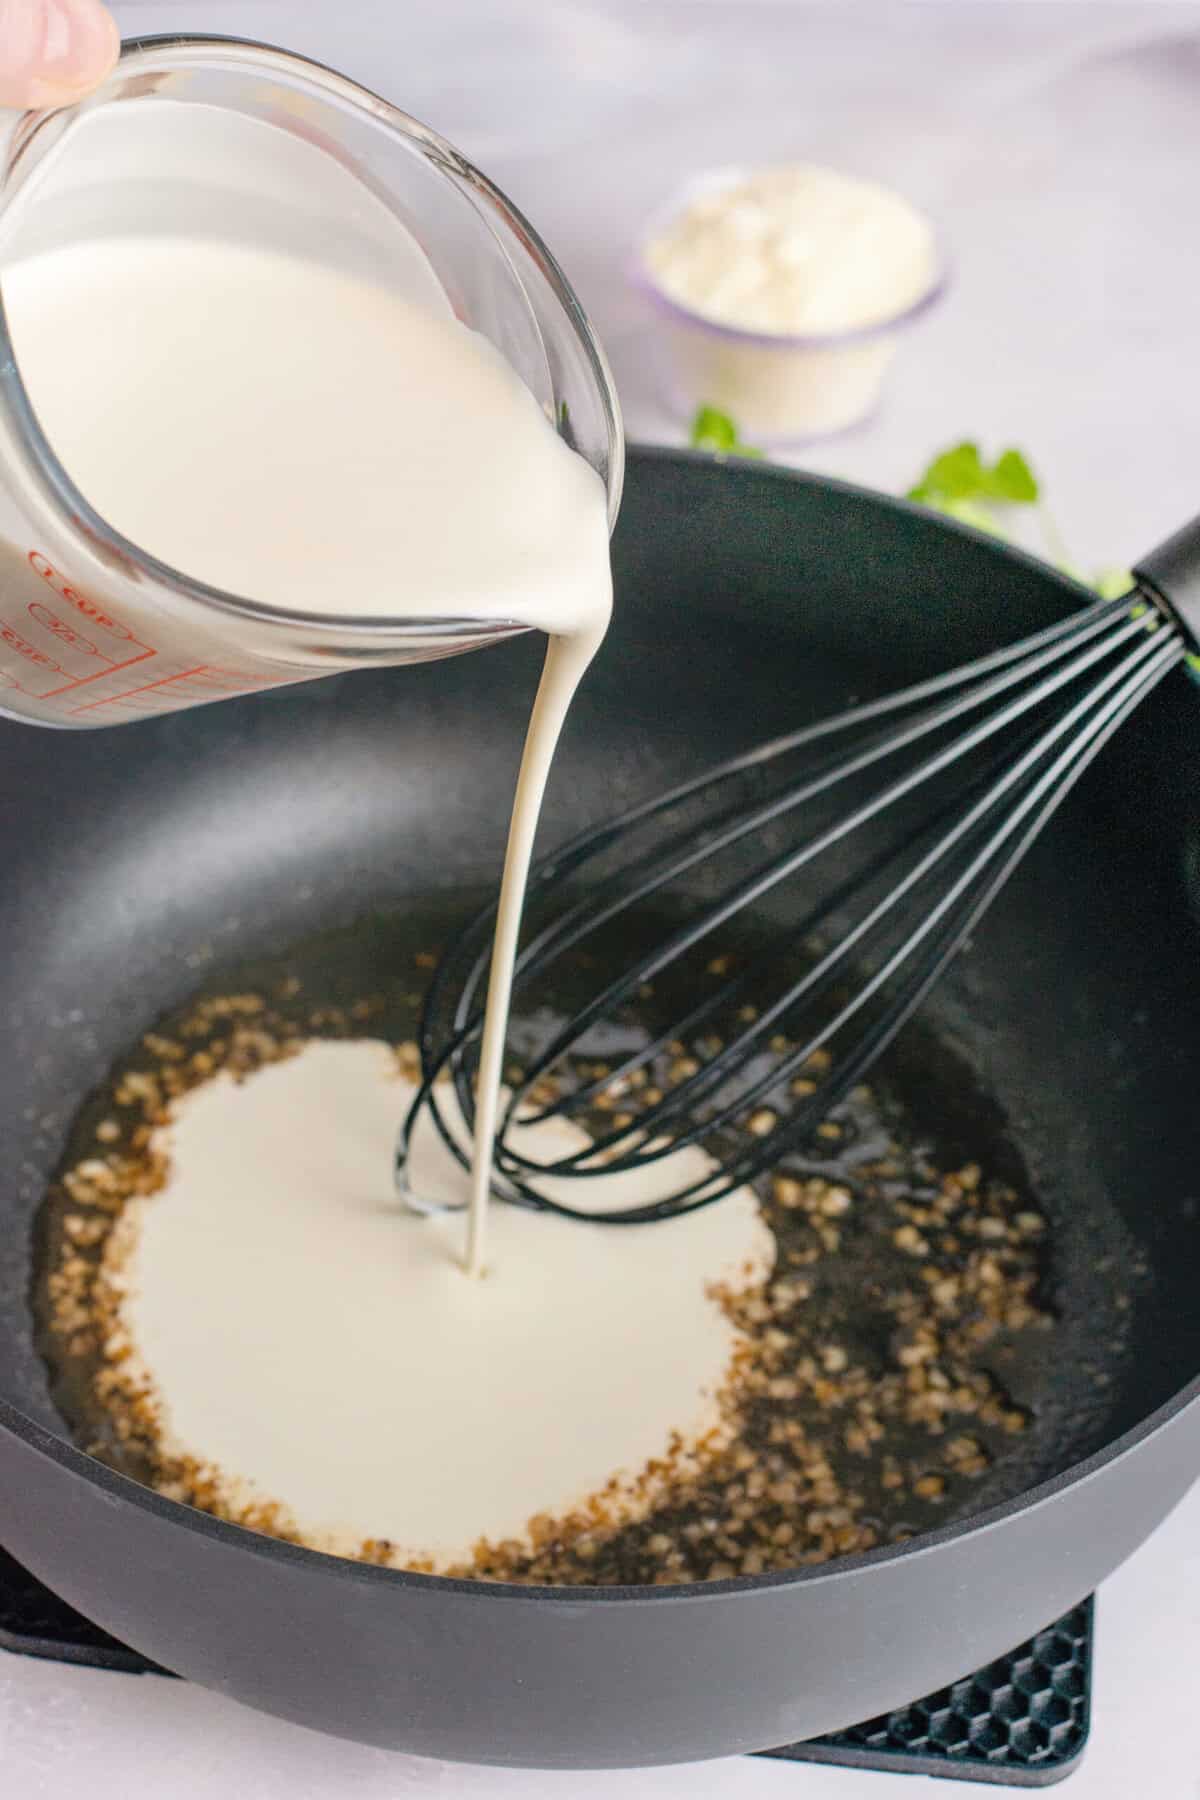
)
(219, 136)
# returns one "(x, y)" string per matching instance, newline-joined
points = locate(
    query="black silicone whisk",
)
(872, 842)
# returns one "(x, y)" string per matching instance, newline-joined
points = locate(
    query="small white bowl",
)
(779, 389)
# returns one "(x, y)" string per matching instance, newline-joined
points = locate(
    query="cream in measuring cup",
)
(284, 431)
(286, 388)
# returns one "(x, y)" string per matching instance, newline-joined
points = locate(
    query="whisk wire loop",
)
(1039, 711)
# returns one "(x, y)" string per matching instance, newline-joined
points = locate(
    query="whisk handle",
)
(1172, 572)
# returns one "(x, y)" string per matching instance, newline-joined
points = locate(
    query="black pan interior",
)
(139, 861)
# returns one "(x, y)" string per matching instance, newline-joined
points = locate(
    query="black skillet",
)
(748, 599)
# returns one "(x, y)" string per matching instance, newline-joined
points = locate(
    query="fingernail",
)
(54, 51)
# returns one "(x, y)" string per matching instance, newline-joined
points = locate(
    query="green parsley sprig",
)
(716, 431)
(959, 483)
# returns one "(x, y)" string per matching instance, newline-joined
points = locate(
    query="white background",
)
(1058, 146)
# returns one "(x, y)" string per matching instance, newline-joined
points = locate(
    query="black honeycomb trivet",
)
(1023, 1720)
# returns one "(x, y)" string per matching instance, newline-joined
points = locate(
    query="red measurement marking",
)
(67, 633)
(232, 681)
(189, 687)
(24, 648)
(69, 687)
(91, 611)
(45, 568)
(132, 693)
(135, 650)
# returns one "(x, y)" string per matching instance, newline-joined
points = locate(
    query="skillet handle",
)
(1172, 573)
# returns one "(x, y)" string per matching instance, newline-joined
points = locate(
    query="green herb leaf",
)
(713, 430)
(716, 431)
(1012, 480)
(957, 474)
(960, 484)
(960, 473)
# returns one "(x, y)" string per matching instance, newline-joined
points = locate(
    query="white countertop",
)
(1058, 145)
